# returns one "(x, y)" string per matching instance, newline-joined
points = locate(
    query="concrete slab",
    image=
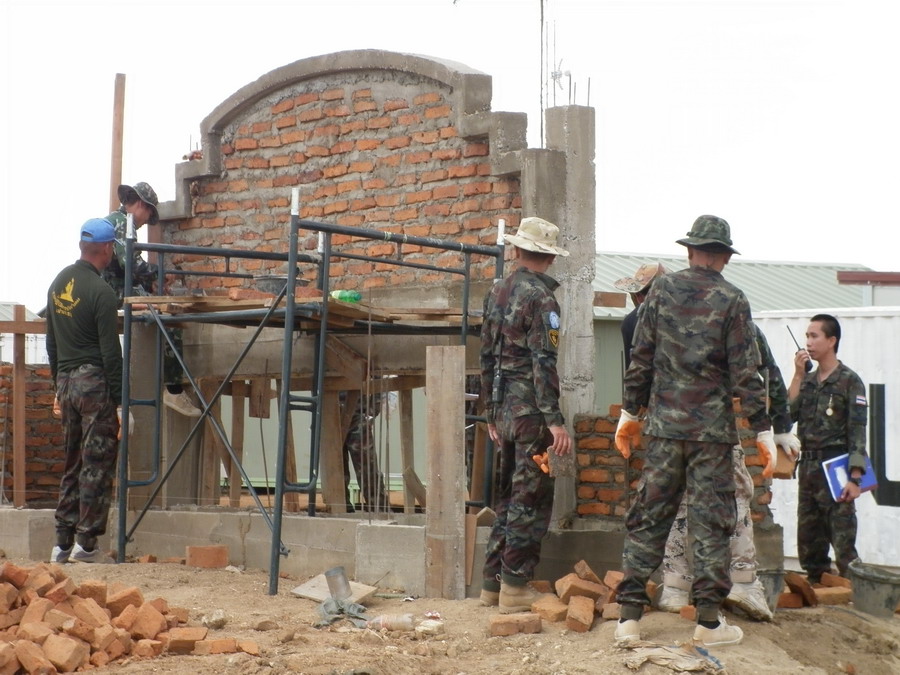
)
(390, 555)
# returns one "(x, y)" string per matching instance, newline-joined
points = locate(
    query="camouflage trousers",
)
(91, 428)
(823, 522)
(702, 473)
(677, 566)
(359, 449)
(173, 373)
(523, 505)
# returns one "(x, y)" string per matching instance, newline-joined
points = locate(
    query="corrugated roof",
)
(769, 285)
(7, 312)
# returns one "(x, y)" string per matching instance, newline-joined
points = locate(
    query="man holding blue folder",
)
(830, 406)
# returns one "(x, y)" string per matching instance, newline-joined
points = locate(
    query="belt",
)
(819, 454)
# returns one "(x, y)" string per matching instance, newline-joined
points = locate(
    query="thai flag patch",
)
(860, 400)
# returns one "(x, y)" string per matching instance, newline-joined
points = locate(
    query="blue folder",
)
(837, 472)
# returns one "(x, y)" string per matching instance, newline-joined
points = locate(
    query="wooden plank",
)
(211, 450)
(445, 515)
(407, 453)
(344, 360)
(36, 327)
(417, 492)
(237, 444)
(471, 529)
(331, 454)
(18, 425)
(479, 449)
(260, 396)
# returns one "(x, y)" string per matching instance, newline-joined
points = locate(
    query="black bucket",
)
(876, 590)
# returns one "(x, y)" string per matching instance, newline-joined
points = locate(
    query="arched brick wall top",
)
(473, 87)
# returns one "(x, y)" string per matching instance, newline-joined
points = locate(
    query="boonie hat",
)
(641, 279)
(538, 235)
(145, 193)
(98, 230)
(709, 231)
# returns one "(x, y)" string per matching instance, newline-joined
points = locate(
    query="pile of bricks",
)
(576, 599)
(833, 590)
(50, 624)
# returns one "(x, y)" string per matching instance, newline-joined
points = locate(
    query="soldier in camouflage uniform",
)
(86, 365)
(830, 407)
(520, 388)
(359, 450)
(141, 202)
(694, 349)
(747, 591)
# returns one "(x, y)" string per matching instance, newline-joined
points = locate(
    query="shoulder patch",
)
(553, 319)
(861, 400)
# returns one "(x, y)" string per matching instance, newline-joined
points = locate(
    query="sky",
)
(780, 116)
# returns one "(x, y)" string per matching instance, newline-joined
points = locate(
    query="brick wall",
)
(44, 452)
(607, 482)
(368, 148)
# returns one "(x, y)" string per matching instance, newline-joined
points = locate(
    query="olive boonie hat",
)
(98, 230)
(538, 235)
(642, 278)
(145, 193)
(709, 231)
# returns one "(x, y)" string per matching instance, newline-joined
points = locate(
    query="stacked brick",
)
(50, 624)
(607, 482)
(372, 149)
(44, 442)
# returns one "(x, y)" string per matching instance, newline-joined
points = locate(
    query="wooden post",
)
(291, 499)
(19, 389)
(331, 454)
(445, 549)
(407, 451)
(115, 167)
(237, 444)
(211, 450)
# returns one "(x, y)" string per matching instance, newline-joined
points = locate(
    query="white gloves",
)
(765, 444)
(789, 442)
(130, 422)
(628, 433)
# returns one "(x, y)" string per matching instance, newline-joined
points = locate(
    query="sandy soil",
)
(808, 641)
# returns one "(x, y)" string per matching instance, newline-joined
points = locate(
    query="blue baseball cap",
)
(98, 230)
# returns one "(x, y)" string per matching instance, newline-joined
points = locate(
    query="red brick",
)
(61, 591)
(835, 581)
(217, 646)
(833, 595)
(35, 631)
(8, 595)
(13, 574)
(789, 600)
(611, 610)
(248, 647)
(89, 611)
(550, 608)
(126, 617)
(147, 649)
(798, 584)
(584, 571)
(510, 624)
(612, 578)
(117, 602)
(36, 610)
(148, 623)
(32, 658)
(572, 585)
(182, 640)
(580, 616)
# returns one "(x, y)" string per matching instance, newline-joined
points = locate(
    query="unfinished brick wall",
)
(44, 443)
(607, 482)
(369, 147)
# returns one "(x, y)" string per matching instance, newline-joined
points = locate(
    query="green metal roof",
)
(769, 285)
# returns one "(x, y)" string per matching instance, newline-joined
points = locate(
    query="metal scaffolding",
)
(287, 312)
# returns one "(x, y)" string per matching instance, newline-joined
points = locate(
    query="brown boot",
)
(515, 599)
(490, 598)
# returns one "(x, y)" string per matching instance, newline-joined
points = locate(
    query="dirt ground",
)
(808, 641)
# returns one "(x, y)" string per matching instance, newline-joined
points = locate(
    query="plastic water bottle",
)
(347, 296)
(392, 622)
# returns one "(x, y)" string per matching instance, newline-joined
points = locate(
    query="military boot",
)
(515, 599)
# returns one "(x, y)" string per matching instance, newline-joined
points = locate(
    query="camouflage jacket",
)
(833, 413)
(520, 333)
(778, 396)
(694, 349)
(82, 326)
(143, 273)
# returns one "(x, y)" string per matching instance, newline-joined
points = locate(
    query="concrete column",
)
(559, 184)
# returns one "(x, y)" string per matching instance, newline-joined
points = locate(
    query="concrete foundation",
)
(388, 553)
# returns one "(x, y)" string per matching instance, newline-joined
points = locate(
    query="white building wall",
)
(869, 338)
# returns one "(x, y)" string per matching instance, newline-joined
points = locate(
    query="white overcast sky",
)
(780, 116)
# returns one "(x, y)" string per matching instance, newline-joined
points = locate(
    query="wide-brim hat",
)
(642, 278)
(709, 231)
(538, 235)
(146, 194)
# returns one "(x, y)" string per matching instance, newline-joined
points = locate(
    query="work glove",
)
(789, 442)
(765, 444)
(130, 422)
(628, 433)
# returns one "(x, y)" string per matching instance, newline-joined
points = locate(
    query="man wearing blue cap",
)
(86, 365)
